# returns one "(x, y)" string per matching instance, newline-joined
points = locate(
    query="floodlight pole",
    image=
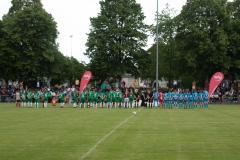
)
(157, 50)
(71, 44)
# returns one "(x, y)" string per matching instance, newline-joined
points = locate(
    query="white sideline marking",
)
(86, 154)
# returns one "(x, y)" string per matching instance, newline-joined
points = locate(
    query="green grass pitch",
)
(69, 133)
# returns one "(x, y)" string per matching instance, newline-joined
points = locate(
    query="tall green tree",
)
(117, 39)
(202, 38)
(233, 49)
(30, 33)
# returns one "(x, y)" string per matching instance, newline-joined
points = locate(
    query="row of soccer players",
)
(181, 100)
(111, 99)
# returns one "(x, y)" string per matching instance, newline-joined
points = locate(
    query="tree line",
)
(28, 47)
(202, 39)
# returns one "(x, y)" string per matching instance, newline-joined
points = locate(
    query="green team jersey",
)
(62, 96)
(23, 96)
(90, 95)
(83, 95)
(120, 95)
(95, 95)
(45, 96)
(109, 96)
(102, 95)
(131, 96)
(49, 94)
(37, 96)
(114, 95)
(29, 95)
(75, 96)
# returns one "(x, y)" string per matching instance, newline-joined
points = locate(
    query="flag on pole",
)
(84, 81)
(214, 82)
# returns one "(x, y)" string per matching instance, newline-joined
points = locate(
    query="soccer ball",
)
(134, 112)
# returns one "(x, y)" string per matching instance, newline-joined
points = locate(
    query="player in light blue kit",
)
(205, 99)
(195, 99)
(175, 99)
(200, 99)
(165, 98)
(170, 99)
(190, 100)
(185, 99)
(180, 99)
(155, 98)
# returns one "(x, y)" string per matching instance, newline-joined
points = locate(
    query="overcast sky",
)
(72, 17)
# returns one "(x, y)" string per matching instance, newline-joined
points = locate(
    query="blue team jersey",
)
(155, 95)
(190, 97)
(170, 95)
(200, 96)
(205, 95)
(173, 95)
(176, 95)
(181, 97)
(186, 96)
(165, 96)
(195, 96)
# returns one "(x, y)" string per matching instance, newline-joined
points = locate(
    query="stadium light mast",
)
(157, 50)
(71, 44)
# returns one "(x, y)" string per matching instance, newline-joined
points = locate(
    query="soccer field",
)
(110, 134)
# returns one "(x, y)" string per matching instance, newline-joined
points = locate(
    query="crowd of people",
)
(113, 98)
(228, 90)
(105, 95)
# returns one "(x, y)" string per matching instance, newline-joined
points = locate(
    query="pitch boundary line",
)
(95, 146)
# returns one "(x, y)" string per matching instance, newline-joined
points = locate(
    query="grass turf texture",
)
(68, 133)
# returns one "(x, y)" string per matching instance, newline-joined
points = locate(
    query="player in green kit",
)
(109, 99)
(36, 98)
(75, 98)
(102, 98)
(90, 98)
(131, 97)
(23, 98)
(95, 98)
(82, 99)
(114, 99)
(120, 98)
(45, 99)
(61, 98)
(29, 98)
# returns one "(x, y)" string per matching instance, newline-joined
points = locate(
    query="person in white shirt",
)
(141, 84)
(174, 84)
(38, 84)
(10, 84)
